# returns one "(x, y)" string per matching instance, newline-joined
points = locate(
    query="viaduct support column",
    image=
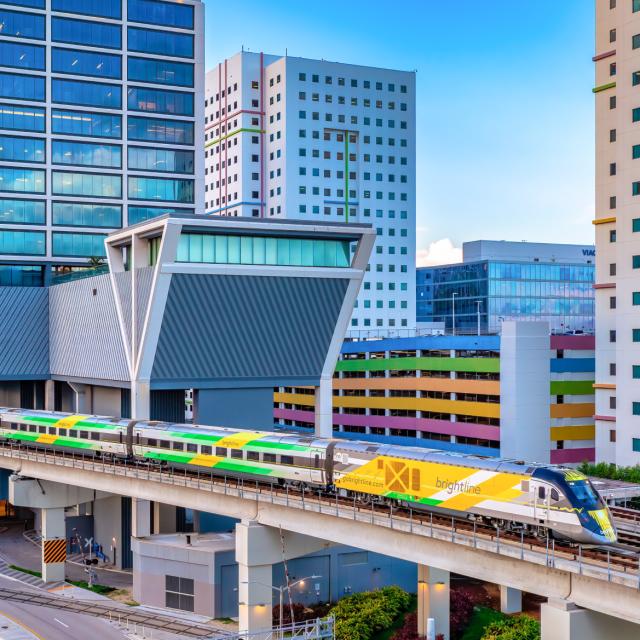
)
(258, 548)
(49, 395)
(140, 400)
(563, 620)
(83, 397)
(324, 408)
(510, 600)
(54, 544)
(433, 600)
(140, 518)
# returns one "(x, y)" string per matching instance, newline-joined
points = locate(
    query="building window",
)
(612, 435)
(612, 205)
(612, 301)
(612, 335)
(612, 368)
(612, 69)
(612, 235)
(612, 169)
(612, 36)
(612, 269)
(635, 262)
(635, 443)
(636, 412)
(179, 593)
(612, 135)
(635, 41)
(636, 371)
(612, 402)
(635, 334)
(612, 102)
(636, 298)
(636, 5)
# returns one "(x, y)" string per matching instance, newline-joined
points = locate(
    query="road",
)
(49, 624)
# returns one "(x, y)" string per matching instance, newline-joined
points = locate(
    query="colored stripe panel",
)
(604, 87)
(577, 343)
(484, 387)
(577, 410)
(573, 456)
(439, 343)
(573, 365)
(602, 56)
(573, 432)
(484, 365)
(444, 427)
(572, 387)
(609, 220)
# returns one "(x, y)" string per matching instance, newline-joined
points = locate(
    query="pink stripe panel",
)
(585, 343)
(566, 456)
(483, 431)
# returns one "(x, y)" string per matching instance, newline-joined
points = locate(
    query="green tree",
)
(516, 628)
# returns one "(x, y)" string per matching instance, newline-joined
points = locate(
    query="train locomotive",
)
(510, 494)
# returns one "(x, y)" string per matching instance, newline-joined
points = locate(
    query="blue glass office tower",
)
(510, 281)
(101, 109)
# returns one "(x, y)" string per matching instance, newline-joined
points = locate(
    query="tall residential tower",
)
(101, 109)
(321, 141)
(617, 225)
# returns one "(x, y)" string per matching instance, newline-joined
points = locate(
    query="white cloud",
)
(439, 252)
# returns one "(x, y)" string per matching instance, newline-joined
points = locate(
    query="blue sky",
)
(504, 102)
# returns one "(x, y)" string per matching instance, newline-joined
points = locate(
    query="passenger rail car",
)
(512, 495)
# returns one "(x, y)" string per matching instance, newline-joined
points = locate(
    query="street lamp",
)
(281, 590)
(453, 308)
(478, 303)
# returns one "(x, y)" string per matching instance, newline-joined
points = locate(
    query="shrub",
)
(300, 613)
(359, 616)
(518, 628)
(611, 472)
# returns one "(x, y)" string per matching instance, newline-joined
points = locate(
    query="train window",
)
(95, 435)
(253, 455)
(14, 426)
(237, 453)
(84, 434)
(316, 461)
(555, 496)
(32, 428)
(205, 449)
(542, 493)
(120, 437)
(73, 433)
(152, 442)
(268, 457)
(42, 429)
(24, 427)
(164, 444)
(221, 451)
(415, 479)
(193, 448)
(52, 431)
(178, 446)
(286, 459)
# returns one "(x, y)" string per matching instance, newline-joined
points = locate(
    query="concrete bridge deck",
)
(549, 570)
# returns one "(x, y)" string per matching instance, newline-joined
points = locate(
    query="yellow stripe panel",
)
(604, 220)
(203, 460)
(69, 422)
(603, 385)
(46, 438)
(238, 440)
(574, 432)
(492, 489)
(295, 398)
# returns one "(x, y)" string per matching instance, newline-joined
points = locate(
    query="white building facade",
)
(290, 137)
(101, 109)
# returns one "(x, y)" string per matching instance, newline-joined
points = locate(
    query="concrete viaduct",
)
(585, 595)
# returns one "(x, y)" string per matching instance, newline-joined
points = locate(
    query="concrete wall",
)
(107, 526)
(242, 408)
(10, 394)
(524, 391)
(106, 401)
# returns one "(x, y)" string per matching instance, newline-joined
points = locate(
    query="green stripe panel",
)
(479, 365)
(183, 458)
(604, 87)
(243, 467)
(194, 436)
(572, 387)
(96, 425)
(38, 420)
(27, 437)
(430, 502)
(73, 443)
(233, 133)
(257, 445)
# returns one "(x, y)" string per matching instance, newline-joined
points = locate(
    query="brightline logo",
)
(462, 486)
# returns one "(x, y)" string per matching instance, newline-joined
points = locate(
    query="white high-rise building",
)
(321, 141)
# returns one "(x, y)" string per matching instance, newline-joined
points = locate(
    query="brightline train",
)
(508, 494)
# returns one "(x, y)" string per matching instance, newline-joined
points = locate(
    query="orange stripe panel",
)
(574, 432)
(573, 410)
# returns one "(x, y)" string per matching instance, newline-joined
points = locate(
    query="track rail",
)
(614, 564)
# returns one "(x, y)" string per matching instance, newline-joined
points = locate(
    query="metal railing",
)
(612, 565)
(318, 629)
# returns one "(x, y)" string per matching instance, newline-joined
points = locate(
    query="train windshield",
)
(586, 495)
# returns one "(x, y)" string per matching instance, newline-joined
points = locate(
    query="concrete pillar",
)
(54, 544)
(510, 600)
(140, 518)
(82, 398)
(563, 620)
(254, 579)
(433, 600)
(140, 400)
(324, 408)
(258, 548)
(49, 395)
(164, 518)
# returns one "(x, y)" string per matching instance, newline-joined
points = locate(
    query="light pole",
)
(281, 590)
(453, 308)
(478, 303)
